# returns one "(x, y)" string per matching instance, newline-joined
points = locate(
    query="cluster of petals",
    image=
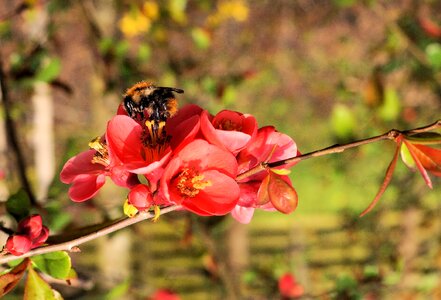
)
(289, 288)
(31, 233)
(192, 160)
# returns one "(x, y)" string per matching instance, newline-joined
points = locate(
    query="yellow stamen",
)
(226, 124)
(190, 182)
(102, 154)
(129, 209)
(157, 211)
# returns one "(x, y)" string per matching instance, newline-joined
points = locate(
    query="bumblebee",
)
(145, 101)
(151, 106)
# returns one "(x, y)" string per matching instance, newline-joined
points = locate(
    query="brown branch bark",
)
(72, 244)
(390, 135)
(13, 138)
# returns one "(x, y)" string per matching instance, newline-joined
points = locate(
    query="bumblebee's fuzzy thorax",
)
(145, 101)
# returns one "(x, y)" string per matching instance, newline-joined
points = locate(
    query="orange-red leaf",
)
(425, 159)
(9, 280)
(281, 194)
(386, 181)
(262, 193)
(430, 158)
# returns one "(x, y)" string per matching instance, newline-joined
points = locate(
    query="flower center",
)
(155, 140)
(102, 153)
(190, 182)
(229, 125)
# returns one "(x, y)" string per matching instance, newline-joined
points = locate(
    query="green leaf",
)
(343, 121)
(201, 38)
(121, 49)
(56, 264)
(229, 96)
(49, 70)
(391, 107)
(19, 205)
(406, 157)
(118, 291)
(344, 3)
(37, 289)
(16, 262)
(433, 52)
(105, 45)
(425, 138)
(144, 52)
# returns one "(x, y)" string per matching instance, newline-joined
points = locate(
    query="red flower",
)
(30, 234)
(141, 149)
(87, 172)
(18, 244)
(276, 192)
(229, 129)
(288, 286)
(200, 177)
(163, 294)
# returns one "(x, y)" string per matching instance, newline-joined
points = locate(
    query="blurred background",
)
(323, 72)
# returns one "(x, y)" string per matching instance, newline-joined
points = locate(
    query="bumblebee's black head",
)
(146, 101)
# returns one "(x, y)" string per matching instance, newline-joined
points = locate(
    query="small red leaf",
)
(262, 193)
(9, 280)
(386, 181)
(281, 194)
(430, 158)
(426, 159)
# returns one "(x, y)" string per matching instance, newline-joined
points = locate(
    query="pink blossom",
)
(88, 170)
(198, 177)
(268, 146)
(31, 233)
(288, 286)
(229, 129)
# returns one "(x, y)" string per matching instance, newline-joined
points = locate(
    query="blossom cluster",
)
(31, 234)
(192, 160)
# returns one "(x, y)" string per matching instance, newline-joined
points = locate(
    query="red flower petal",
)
(204, 156)
(31, 226)
(44, 234)
(288, 286)
(183, 126)
(86, 186)
(213, 199)
(242, 214)
(18, 244)
(234, 136)
(123, 136)
(140, 197)
(79, 165)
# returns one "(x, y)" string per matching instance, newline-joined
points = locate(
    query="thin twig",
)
(390, 135)
(72, 245)
(13, 140)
